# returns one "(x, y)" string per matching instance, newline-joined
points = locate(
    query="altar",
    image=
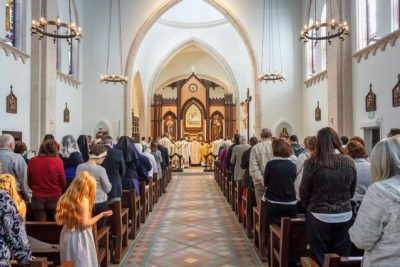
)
(193, 109)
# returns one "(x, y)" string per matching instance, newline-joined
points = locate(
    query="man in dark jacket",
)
(115, 167)
(297, 149)
(164, 163)
(229, 166)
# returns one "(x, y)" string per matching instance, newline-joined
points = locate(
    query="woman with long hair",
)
(71, 157)
(74, 212)
(47, 180)
(9, 184)
(329, 181)
(376, 228)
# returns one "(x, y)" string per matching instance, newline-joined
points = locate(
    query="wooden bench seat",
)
(259, 230)
(249, 201)
(288, 242)
(46, 232)
(333, 260)
(238, 200)
(131, 201)
(118, 230)
(40, 262)
(144, 201)
(101, 240)
(49, 232)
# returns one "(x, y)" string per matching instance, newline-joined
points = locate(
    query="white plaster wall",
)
(381, 70)
(18, 74)
(201, 62)
(67, 93)
(283, 102)
(72, 96)
(311, 95)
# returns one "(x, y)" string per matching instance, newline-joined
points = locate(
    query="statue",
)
(284, 134)
(169, 125)
(100, 133)
(216, 127)
(245, 110)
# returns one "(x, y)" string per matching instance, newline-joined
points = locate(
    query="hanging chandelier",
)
(55, 29)
(272, 75)
(333, 28)
(114, 78)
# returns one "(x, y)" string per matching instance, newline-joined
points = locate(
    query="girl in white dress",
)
(74, 212)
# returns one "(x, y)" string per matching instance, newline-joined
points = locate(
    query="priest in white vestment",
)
(185, 153)
(216, 145)
(179, 149)
(195, 156)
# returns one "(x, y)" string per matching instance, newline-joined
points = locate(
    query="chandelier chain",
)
(279, 37)
(69, 11)
(120, 36)
(263, 34)
(109, 35)
(271, 43)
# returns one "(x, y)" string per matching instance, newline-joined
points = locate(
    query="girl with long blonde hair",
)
(74, 212)
(8, 183)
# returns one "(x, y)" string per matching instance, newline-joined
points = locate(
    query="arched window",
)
(371, 21)
(323, 43)
(311, 49)
(395, 14)
(10, 22)
(68, 52)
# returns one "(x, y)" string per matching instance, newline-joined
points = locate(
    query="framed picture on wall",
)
(370, 100)
(66, 113)
(17, 135)
(317, 112)
(12, 102)
(396, 93)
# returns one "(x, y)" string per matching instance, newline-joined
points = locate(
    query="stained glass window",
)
(70, 59)
(371, 21)
(10, 22)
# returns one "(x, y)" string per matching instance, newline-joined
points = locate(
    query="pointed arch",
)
(205, 47)
(149, 22)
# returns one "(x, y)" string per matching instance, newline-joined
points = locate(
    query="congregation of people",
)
(349, 199)
(72, 183)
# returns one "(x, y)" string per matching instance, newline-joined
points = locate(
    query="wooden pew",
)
(37, 262)
(232, 185)
(259, 230)
(47, 232)
(101, 240)
(333, 260)
(169, 175)
(132, 202)
(238, 199)
(40, 262)
(159, 187)
(249, 202)
(144, 201)
(119, 230)
(288, 242)
(151, 195)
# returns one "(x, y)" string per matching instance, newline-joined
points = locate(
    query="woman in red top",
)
(46, 178)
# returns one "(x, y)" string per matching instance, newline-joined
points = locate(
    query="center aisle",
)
(192, 226)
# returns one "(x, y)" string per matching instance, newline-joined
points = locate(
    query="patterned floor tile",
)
(192, 225)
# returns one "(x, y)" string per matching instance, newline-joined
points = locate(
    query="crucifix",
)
(246, 108)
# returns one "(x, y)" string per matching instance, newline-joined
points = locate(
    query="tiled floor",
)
(192, 226)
